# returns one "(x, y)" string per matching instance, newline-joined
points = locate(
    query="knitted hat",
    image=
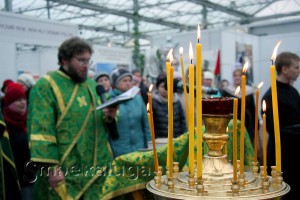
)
(5, 84)
(14, 92)
(26, 79)
(100, 74)
(117, 74)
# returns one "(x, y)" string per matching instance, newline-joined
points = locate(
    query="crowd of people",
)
(57, 118)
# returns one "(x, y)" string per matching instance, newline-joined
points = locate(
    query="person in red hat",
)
(15, 118)
(3, 90)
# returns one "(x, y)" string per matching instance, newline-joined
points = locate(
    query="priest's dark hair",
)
(71, 47)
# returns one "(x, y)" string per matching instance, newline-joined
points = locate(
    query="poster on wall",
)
(108, 67)
(244, 54)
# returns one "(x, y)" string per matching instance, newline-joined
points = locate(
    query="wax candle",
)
(264, 139)
(234, 149)
(256, 121)
(151, 126)
(243, 107)
(184, 85)
(191, 113)
(170, 72)
(150, 98)
(275, 110)
(199, 104)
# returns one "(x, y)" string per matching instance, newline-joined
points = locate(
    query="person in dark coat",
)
(250, 103)
(137, 78)
(160, 111)
(287, 67)
(15, 117)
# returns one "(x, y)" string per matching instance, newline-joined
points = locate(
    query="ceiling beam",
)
(102, 9)
(256, 19)
(219, 7)
(113, 30)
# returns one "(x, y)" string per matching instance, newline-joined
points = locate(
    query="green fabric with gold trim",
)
(120, 182)
(7, 159)
(65, 129)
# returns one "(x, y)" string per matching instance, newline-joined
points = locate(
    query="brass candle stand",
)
(217, 178)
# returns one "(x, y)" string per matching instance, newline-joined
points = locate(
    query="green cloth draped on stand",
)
(132, 171)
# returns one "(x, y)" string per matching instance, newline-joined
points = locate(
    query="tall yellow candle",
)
(199, 104)
(234, 149)
(275, 110)
(150, 98)
(264, 139)
(184, 85)
(243, 107)
(170, 112)
(151, 125)
(191, 114)
(256, 122)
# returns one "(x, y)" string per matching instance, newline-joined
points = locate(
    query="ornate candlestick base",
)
(200, 187)
(265, 184)
(235, 188)
(255, 169)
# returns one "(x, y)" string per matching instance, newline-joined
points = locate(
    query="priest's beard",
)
(76, 75)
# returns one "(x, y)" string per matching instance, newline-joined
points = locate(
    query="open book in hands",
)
(121, 98)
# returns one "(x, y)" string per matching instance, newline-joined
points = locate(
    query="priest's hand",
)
(55, 177)
(110, 112)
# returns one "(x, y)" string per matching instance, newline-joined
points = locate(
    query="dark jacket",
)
(160, 116)
(249, 110)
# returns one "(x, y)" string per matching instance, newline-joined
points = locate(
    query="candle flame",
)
(226, 129)
(245, 67)
(264, 105)
(181, 51)
(273, 58)
(191, 51)
(150, 87)
(147, 107)
(198, 33)
(237, 91)
(170, 55)
(259, 85)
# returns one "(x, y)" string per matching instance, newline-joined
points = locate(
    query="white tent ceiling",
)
(112, 21)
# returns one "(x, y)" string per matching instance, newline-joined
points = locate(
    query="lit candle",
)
(234, 149)
(150, 98)
(184, 85)
(275, 109)
(256, 121)
(170, 72)
(199, 104)
(151, 125)
(225, 146)
(191, 113)
(264, 139)
(243, 107)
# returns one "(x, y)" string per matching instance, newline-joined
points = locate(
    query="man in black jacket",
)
(287, 67)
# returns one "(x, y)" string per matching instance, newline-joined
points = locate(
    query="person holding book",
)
(66, 131)
(131, 118)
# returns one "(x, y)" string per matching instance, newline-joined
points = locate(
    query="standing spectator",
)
(15, 117)
(250, 104)
(160, 110)
(132, 122)
(66, 131)
(287, 67)
(9, 183)
(102, 78)
(208, 81)
(137, 78)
